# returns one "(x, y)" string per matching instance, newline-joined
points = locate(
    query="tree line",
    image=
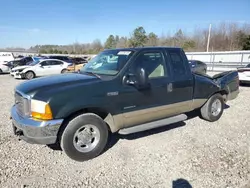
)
(224, 37)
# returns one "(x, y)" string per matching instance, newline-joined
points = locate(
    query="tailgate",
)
(228, 81)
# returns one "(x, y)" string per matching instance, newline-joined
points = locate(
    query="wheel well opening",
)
(31, 71)
(224, 94)
(100, 112)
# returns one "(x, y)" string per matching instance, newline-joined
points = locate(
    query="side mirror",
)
(139, 80)
(142, 78)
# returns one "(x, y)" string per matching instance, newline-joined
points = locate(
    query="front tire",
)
(84, 137)
(29, 75)
(213, 108)
(64, 71)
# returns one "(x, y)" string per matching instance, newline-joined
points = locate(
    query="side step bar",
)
(152, 125)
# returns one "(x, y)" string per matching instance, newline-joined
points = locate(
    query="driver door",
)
(142, 106)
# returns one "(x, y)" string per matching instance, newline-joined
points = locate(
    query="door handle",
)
(170, 87)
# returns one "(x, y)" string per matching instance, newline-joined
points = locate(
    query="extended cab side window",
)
(177, 63)
(153, 63)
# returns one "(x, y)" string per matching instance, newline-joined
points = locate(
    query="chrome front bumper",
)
(34, 131)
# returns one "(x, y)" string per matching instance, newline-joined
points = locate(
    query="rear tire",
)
(1, 71)
(84, 137)
(29, 75)
(213, 108)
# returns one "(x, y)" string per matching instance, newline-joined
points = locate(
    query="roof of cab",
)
(145, 48)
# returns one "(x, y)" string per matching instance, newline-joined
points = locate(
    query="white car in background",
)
(39, 68)
(5, 57)
(244, 74)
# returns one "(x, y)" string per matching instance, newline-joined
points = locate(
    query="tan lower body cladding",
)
(137, 117)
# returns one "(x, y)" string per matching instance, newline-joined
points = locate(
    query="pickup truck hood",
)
(20, 67)
(45, 84)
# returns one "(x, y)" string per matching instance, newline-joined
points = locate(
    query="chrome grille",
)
(22, 104)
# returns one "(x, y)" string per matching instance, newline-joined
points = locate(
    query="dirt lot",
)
(195, 152)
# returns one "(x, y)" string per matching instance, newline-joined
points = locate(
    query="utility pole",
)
(208, 38)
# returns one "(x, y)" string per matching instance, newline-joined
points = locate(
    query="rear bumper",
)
(34, 131)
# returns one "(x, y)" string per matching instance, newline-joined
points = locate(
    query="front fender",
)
(75, 106)
(72, 106)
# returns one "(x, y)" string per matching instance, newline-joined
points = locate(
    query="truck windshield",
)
(108, 62)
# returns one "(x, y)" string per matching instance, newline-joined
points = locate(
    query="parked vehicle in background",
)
(78, 63)
(244, 74)
(42, 67)
(78, 60)
(22, 61)
(63, 58)
(5, 57)
(198, 66)
(120, 90)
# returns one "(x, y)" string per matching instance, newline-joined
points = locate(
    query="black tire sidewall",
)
(211, 100)
(68, 135)
(64, 71)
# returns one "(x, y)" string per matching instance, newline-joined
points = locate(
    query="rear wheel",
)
(85, 137)
(29, 75)
(213, 109)
(1, 71)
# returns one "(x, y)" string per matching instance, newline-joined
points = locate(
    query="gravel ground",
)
(195, 152)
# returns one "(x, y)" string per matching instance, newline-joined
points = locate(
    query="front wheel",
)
(85, 137)
(213, 108)
(64, 71)
(29, 75)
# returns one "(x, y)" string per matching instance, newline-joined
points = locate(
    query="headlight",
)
(40, 110)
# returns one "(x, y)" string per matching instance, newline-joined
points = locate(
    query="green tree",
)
(59, 52)
(51, 51)
(117, 38)
(189, 44)
(139, 37)
(110, 42)
(246, 43)
(43, 51)
(152, 39)
(65, 52)
(55, 51)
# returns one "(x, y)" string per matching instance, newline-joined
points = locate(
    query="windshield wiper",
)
(92, 73)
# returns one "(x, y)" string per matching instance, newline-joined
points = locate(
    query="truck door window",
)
(177, 63)
(153, 63)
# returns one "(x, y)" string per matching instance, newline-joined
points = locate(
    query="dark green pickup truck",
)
(120, 90)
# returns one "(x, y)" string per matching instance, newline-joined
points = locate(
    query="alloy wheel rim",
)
(86, 138)
(216, 107)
